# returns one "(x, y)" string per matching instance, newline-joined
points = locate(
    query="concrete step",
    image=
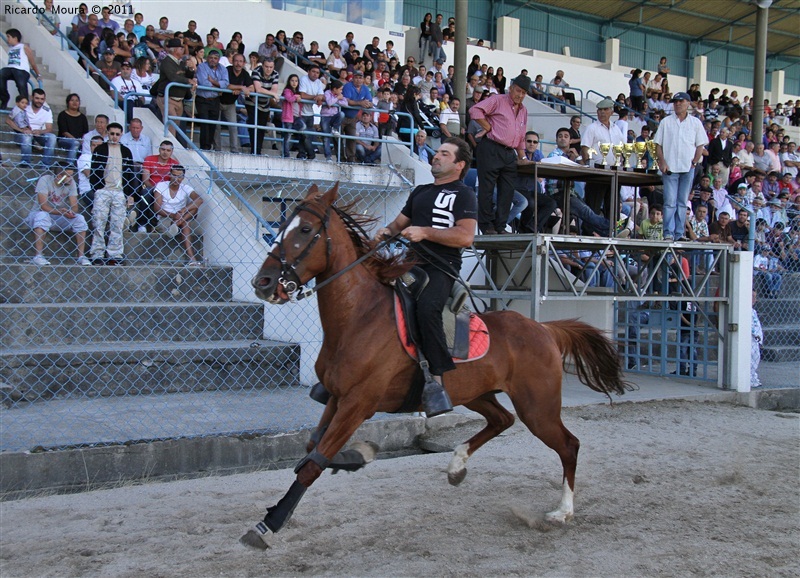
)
(143, 368)
(16, 245)
(775, 312)
(26, 326)
(129, 284)
(780, 353)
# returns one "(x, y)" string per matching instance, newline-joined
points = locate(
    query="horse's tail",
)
(597, 362)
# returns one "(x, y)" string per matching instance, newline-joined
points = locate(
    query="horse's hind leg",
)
(498, 419)
(541, 413)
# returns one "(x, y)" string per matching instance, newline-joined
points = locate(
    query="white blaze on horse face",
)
(565, 508)
(458, 462)
(293, 225)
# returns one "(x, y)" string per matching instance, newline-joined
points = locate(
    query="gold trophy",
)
(604, 147)
(618, 149)
(640, 148)
(651, 148)
(628, 151)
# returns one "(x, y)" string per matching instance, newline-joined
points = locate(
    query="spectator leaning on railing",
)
(209, 74)
(265, 85)
(240, 83)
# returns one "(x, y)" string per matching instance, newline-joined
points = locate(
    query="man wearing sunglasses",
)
(112, 180)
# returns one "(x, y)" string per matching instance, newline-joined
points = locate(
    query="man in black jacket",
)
(720, 153)
(112, 180)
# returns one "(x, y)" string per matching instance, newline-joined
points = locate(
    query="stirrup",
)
(435, 400)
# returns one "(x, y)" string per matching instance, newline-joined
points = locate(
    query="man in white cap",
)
(601, 130)
(680, 141)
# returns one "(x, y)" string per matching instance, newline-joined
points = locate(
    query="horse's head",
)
(301, 250)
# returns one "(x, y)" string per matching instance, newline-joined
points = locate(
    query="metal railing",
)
(271, 111)
(631, 111)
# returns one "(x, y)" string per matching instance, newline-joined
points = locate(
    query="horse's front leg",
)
(345, 421)
(324, 422)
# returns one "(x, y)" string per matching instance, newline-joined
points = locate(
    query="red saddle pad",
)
(478, 335)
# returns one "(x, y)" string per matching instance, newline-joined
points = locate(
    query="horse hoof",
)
(254, 540)
(557, 517)
(457, 477)
(368, 450)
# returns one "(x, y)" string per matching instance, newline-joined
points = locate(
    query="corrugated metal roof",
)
(726, 21)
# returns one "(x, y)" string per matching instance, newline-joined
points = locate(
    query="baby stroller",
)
(430, 116)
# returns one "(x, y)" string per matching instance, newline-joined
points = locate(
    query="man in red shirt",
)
(503, 119)
(156, 168)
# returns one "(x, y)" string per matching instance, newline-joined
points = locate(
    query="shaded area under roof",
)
(730, 22)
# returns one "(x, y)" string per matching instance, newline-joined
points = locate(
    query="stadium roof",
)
(725, 21)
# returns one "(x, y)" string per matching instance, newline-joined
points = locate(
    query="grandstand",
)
(74, 336)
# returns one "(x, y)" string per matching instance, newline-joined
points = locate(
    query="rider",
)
(441, 218)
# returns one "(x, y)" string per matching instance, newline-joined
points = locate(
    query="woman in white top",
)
(141, 73)
(335, 61)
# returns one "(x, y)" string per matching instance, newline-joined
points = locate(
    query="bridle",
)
(289, 278)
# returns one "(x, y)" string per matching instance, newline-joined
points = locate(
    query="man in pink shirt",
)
(503, 119)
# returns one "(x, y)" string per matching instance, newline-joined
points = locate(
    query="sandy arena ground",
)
(667, 488)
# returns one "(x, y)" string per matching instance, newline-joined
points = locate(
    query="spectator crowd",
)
(359, 88)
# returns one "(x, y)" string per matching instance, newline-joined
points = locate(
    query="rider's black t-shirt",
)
(440, 207)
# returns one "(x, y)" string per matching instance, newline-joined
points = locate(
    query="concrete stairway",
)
(151, 326)
(779, 320)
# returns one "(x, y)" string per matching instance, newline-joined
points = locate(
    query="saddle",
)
(466, 334)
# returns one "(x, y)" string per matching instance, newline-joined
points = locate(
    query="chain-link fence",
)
(776, 282)
(159, 345)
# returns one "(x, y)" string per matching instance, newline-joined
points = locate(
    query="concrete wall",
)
(64, 66)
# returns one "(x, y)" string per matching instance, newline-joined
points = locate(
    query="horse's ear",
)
(313, 192)
(329, 197)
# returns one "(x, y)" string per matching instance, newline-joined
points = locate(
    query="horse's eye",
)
(306, 229)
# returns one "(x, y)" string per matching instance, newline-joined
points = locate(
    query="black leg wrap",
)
(315, 457)
(319, 394)
(278, 514)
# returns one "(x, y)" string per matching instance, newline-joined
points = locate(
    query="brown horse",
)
(363, 366)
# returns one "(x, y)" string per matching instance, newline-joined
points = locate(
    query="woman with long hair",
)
(500, 80)
(290, 112)
(474, 66)
(280, 37)
(72, 125)
(410, 105)
(425, 36)
(141, 72)
(89, 47)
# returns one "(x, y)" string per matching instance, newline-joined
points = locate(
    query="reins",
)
(291, 281)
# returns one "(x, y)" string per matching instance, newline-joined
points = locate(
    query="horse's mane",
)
(385, 266)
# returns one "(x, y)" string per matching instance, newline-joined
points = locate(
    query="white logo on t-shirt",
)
(443, 210)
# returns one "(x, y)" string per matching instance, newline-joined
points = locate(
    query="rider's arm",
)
(395, 227)
(460, 235)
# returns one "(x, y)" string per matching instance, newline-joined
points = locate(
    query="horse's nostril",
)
(263, 282)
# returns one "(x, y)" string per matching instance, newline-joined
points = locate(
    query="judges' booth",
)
(666, 303)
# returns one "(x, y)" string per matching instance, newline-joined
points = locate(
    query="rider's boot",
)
(435, 400)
